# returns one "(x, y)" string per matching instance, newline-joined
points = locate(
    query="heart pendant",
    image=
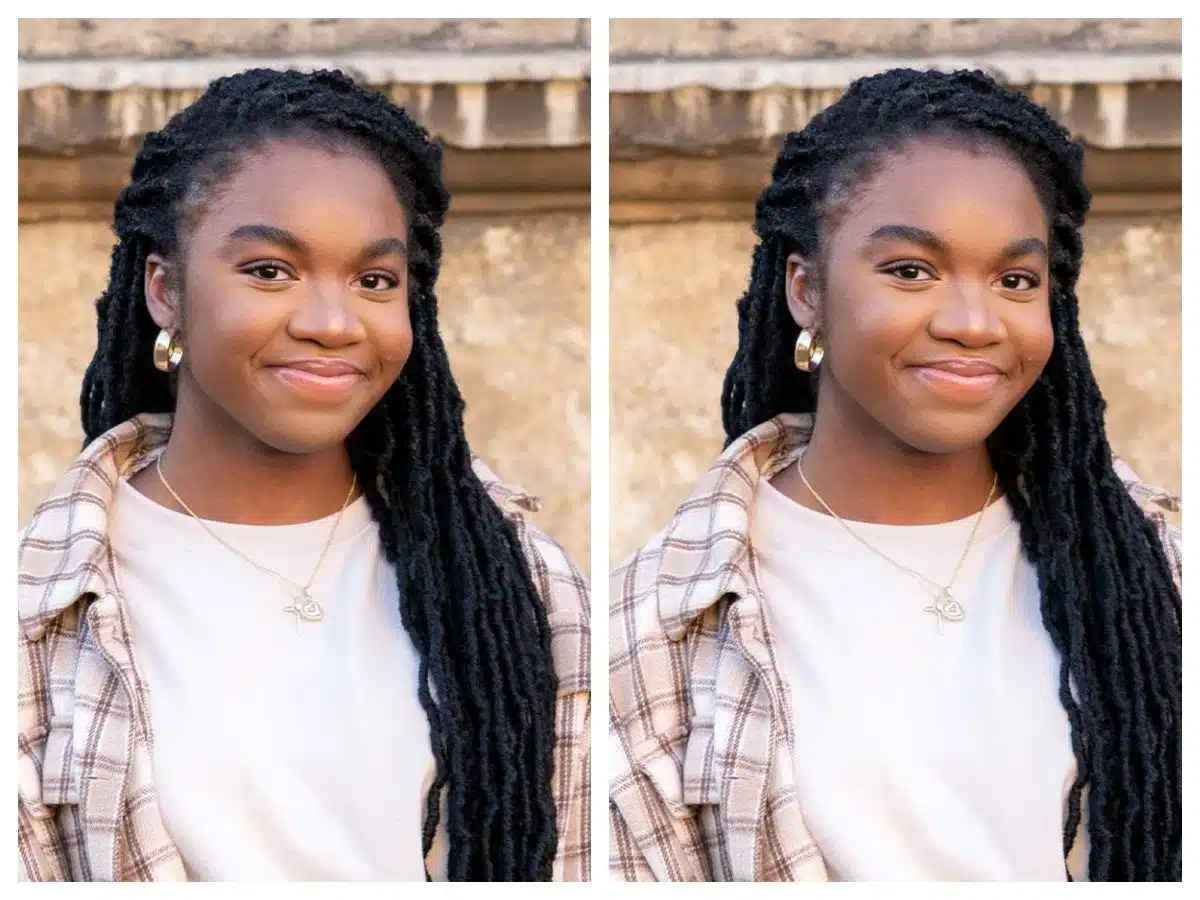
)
(946, 608)
(305, 608)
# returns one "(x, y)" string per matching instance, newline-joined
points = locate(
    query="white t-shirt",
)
(919, 755)
(281, 751)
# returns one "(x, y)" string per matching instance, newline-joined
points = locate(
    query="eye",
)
(1019, 281)
(268, 271)
(908, 270)
(379, 281)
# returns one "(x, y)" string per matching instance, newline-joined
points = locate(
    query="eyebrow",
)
(268, 234)
(281, 237)
(911, 234)
(1029, 246)
(384, 247)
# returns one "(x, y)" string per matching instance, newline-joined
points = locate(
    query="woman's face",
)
(934, 311)
(294, 306)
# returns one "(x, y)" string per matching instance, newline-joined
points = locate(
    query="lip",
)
(962, 377)
(967, 366)
(331, 378)
(324, 366)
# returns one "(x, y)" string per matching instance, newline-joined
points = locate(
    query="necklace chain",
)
(945, 607)
(303, 606)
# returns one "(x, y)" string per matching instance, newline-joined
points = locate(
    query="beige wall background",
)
(694, 134)
(507, 98)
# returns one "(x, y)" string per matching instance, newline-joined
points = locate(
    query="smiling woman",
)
(277, 621)
(916, 623)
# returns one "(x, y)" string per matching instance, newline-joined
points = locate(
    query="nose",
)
(327, 315)
(967, 315)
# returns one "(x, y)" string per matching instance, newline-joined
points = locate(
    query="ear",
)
(162, 298)
(803, 303)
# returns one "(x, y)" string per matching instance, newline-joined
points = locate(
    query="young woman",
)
(916, 622)
(276, 622)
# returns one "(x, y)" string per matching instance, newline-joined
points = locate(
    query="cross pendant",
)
(305, 608)
(946, 609)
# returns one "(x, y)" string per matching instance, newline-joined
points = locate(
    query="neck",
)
(867, 475)
(225, 474)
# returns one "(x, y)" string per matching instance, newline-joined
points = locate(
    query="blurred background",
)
(698, 109)
(509, 100)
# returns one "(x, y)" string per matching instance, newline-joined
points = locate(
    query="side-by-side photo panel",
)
(303, 450)
(896, 450)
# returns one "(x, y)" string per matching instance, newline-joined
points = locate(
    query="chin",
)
(302, 435)
(940, 445)
(944, 435)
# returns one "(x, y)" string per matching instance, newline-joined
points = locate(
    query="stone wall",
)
(208, 38)
(705, 39)
(507, 98)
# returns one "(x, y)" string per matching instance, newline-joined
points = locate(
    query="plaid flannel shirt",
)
(87, 806)
(703, 781)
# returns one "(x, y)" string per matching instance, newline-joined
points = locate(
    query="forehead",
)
(301, 184)
(949, 189)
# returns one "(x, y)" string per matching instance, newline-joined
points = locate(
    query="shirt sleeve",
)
(654, 835)
(564, 591)
(573, 787)
(41, 854)
(625, 860)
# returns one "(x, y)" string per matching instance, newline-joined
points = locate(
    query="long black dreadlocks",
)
(467, 598)
(1108, 599)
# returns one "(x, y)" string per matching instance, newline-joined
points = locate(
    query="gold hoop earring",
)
(168, 352)
(809, 351)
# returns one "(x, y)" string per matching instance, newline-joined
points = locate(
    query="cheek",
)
(865, 324)
(1034, 336)
(222, 323)
(392, 332)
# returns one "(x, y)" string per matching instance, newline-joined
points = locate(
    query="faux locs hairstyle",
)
(468, 602)
(1108, 599)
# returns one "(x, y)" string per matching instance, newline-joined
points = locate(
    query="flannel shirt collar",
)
(66, 541)
(705, 546)
(68, 533)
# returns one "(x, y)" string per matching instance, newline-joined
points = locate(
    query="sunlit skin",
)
(935, 317)
(292, 307)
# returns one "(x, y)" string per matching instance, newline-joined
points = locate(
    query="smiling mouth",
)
(966, 379)
(331, 385)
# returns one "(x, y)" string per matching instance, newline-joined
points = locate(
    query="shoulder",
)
(561, 585)
(1161, 508)
(564, 591)
(61, 550)
(633, 607)
(647, 667)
